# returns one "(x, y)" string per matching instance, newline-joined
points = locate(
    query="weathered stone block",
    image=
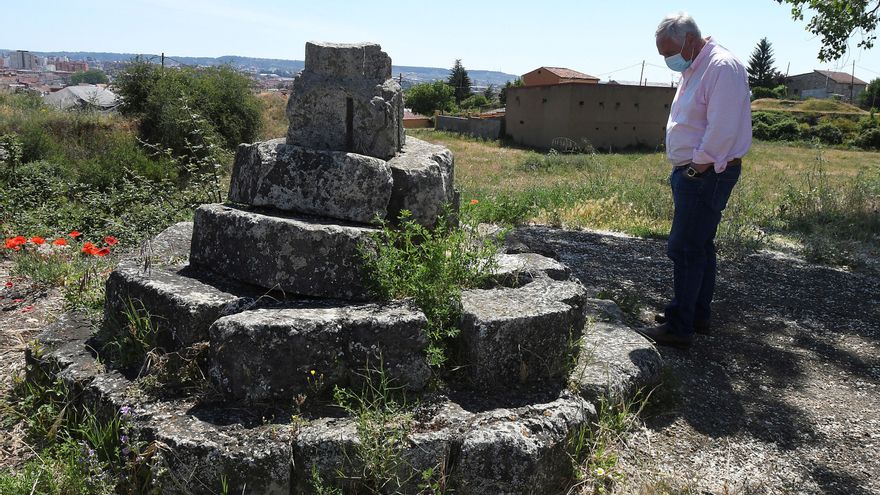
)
(344, 100)
(423, 175)
(347, 60)
(270, 354)
(615, 362)
(181, 303)
(299, 255)
(521, 335)
(332, 184)
(514, 270)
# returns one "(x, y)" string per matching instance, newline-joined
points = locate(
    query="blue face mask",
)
(677, 62)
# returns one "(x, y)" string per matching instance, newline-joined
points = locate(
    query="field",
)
(822, 203)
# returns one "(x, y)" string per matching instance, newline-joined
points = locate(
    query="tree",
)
(477, 101)
(836, 22)
(183, 109)
(762, 74)
(490, 92)
(426, 98)
(870, 98)
(502, 95)
(91, 76)
(460, 81)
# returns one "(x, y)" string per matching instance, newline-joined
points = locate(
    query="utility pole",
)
(163, 60)
(642, 74)
(852, 84)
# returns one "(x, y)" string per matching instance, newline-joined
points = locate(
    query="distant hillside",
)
(411, 74)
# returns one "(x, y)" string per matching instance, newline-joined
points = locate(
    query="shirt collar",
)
(702, 56)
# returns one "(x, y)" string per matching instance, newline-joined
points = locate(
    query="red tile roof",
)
(568, 73)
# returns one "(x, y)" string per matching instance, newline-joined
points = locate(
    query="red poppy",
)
(28, 309)
(74, 234)
(110, 240)
(38, 240)
(16, 301)
(474, 201)
(9, 284)
(60, 241)
(102, 252)
(89, 248)
(11, 244)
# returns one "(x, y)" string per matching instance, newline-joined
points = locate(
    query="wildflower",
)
(89, 248)
(28, 309)
(102, 252)
(16, 301)
(312, 372)
(600, 472)
(110, 240)
(60, 242)
(474, 201)
(123, 438)
(15, 242)
(74, 234)
(9, 284)
(125, 411)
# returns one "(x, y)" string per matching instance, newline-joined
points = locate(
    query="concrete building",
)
(543, 76)
(825, 84)
(575, 116)
(23, 60)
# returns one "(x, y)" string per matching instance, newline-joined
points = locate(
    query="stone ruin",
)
(271, 287)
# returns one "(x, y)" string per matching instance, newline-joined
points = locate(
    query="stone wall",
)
(608, 116)
(491, 129)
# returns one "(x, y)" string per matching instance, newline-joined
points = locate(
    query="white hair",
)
(676, 26)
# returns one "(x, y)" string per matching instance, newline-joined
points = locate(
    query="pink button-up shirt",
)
(710, 120)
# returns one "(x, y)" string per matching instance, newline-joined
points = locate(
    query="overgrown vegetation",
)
(81, 450)
(830, 129)
(432, 266)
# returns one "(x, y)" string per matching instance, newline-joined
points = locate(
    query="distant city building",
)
(543, 76)
(825, 84)
(71, 66)
(23, 60)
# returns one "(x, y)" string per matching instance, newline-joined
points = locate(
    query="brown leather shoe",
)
(702, 327)
(663, 335)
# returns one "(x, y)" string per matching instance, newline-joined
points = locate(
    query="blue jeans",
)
(699, 202)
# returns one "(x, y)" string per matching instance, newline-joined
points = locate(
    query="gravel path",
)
(782, 397)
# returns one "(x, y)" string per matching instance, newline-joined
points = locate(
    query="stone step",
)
(423, 176)
(521, 335)
(181, 301)
(332, 184)
(275, 354)
(515, 270)
(294, 254)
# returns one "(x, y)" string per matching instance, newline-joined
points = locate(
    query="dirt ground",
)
(782, 397)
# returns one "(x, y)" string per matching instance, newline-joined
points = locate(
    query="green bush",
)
(180, 109)
(868, 139)
(828, 133)
(428, 98)
(762, 92)
(474, 102)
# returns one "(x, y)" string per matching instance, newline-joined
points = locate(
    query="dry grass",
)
(814, 106)
(785, 192)
(274, 119)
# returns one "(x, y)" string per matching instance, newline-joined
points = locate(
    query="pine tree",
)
(762, 74)
(460, 81)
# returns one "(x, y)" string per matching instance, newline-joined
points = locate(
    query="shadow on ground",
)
(792, 364)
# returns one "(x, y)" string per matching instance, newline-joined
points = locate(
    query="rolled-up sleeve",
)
(728, 115)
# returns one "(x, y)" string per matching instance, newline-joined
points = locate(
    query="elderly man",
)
(708, 132)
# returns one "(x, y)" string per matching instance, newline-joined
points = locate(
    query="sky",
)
(608, 39)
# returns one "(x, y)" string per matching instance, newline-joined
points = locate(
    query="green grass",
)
(807, 106)
(822, 203)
